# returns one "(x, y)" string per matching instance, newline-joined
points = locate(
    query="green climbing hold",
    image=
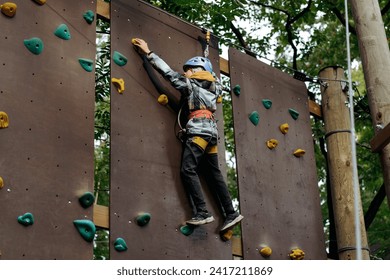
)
(86, 229)
(63, 32)
(237, 90)
(254, 117)
(87, 199)
(143, 219)
(120, 245)
(187, 229)
(294, 114)
(34, 45)
(267, 103)
(27, 219)
(89, 16)
(87, 64)
(120, 59)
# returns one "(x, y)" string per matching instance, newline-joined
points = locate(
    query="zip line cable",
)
(353, 144)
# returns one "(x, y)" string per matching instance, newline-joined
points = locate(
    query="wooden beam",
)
(101, 216)
(103, 9)
(381, 139)
(224, 66)
(315, 109)
(236, 246)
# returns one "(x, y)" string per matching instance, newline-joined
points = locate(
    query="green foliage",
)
(102, 132)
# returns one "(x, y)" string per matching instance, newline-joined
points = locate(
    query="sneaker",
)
(231, 221)
(201, 218)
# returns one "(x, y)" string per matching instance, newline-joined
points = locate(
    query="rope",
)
(353, 144)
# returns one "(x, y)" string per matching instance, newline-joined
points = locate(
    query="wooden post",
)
(375, 55)
(338, 139)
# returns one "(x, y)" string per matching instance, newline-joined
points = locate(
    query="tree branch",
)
(241, 40)
(288, 26)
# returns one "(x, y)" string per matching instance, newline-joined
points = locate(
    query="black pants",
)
(203, 156)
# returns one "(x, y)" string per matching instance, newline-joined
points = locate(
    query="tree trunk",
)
(374, 52)
(338, 139)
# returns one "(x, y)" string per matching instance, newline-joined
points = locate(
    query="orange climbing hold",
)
(272, 143)
(163, 99)
(299, 152)
(40, 2)
(227, 235)
(1, 183)
(297, 254)
(284, 128)
(8, 9)
(4, 122)
(266, 252)
(119, 84)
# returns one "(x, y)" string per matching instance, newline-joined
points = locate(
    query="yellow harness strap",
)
(212, 150)
(200, 142)
(203, 145)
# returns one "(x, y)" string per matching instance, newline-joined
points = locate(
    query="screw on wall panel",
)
(8, 9)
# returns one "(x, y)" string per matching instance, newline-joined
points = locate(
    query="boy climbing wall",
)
(199, 88)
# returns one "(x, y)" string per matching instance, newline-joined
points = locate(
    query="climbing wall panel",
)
(279, 194)
(46, 152)
(145, 153)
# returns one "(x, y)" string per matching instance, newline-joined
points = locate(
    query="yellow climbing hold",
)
(299, 152)
(227, 235)
(272, 143)
(266, 252)
(119, 84)
(163, 99)
(297, 254)
(1, 183)
(40, 2)
(284, 128)
(133, 41)
(8, 9)
(219, 99)
(3, 120)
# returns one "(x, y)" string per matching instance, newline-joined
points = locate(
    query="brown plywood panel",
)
(279, 194)
(145, 153)
(46, 153)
